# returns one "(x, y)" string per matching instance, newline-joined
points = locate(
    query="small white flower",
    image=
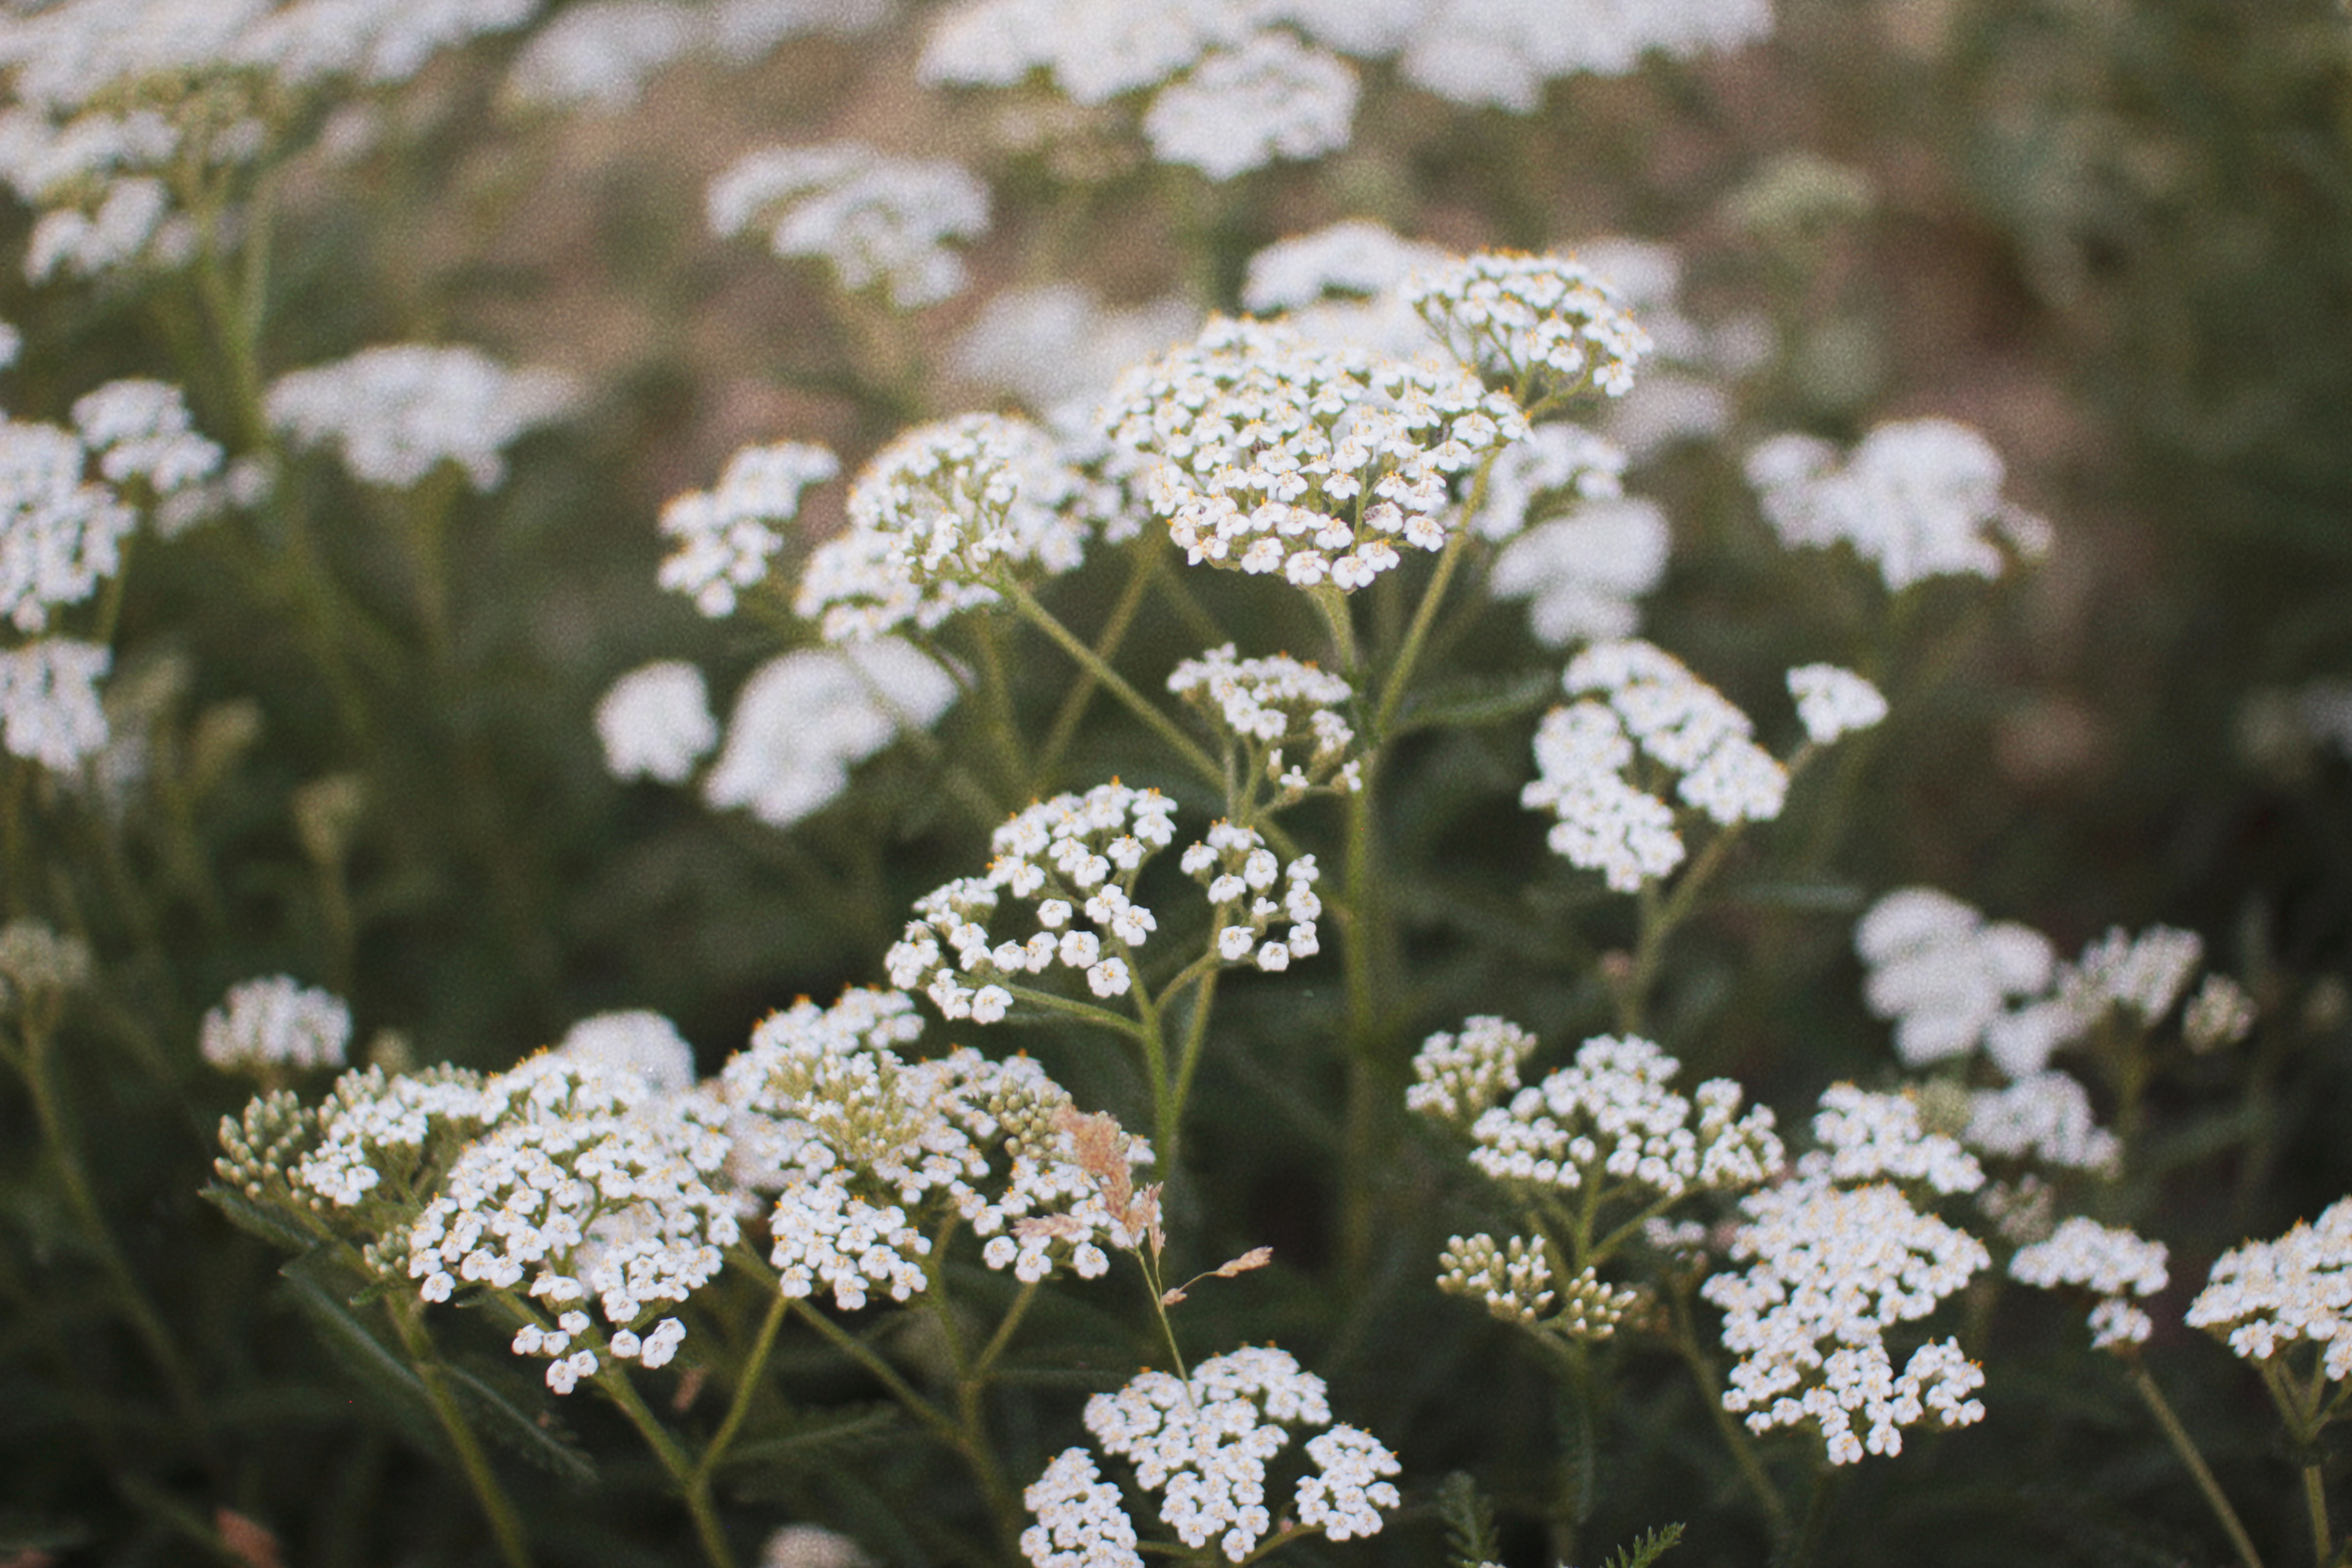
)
(276, 1023)
(656, 722)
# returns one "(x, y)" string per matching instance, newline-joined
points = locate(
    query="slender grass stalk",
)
(1736, 1437)
(1149, 554)
(2185, 1447)
(747, 1383)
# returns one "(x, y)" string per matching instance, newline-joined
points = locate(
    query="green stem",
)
(1085, 1012)
(506, 1528)
(997, 685)
(1148, 553)
(1424, 615)
(1330, 601)
(2185, 1447)
(929, 1415)
(746, 1384)
(1195, 1035)
(1736, 1437)
(2315, 1501)
(1159, 724)
(1004, 1506)
(1659, 919)
(986, 1362)
(693, 1487)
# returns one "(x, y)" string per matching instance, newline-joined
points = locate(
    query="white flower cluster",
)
(726, 536)
(601, 54)
(804, 719)
(1831, 702)
(878, 221)
(1073, 855)
(1272, 705)
(1513, 1279)
(1863, 1137)
(1239, 872)
(1455, 1077)
(2044, 1117)
(395, 413)
(2142, 975)
(1268, 453)
(2113, 1264)
(1946, 976)
(638, 1041)
(50, 710)
(1204, 1443)
(857, 1143)
(1831, 1270)
(262, 1024)
(1611, 1118)
(811, 1546)
(586, 1184)
(939, 518)
(374, 1129)
(2221, 1013)
(1351, 260)
(1242, 108)
(2264, 1296)
(1059, 349)
(1918, 500)
(655, 722)
(1543, 324)
(1583, 751)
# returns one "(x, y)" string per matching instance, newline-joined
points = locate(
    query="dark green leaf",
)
(1471, 700)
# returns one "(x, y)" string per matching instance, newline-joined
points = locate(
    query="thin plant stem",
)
(923, 1410)
(1158, 722)
(997, 686)
(1417, 634)
(506, 1528)
(693, 1487)
(971, 1414)
(2315, 1501)
(1736, 1437)
(1106, 644)
(2185, 1447)
(986, 1361)
(746, 1384)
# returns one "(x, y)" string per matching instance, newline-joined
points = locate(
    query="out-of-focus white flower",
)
(2221, 1013)
(1831, 702)
(1059, 349)
(1502, 51)
(1242, 108)
(276, 1023)
(1918, 500)
(2045, 1117)
(59, 533)
(602, 55)
(1094, 50)
(2265, 1296)
(1580, 573)
(2112, 1263)
(1942, 973)
(811, 1546)
(727, 536)
(2142, 975)
(1555, 460)
(50, 710)
(804, 719)
(656, 722)
(638, 1041)
(878, 221)
(1344, 284)
(395, 413)
(141, 430)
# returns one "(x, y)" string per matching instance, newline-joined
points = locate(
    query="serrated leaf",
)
(1470, 1523)
(858, 1426)
(1469, 702)
(1649, 1549)
(255, 1219)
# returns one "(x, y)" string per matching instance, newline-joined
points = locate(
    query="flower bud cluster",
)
(1543, 326)
(379, 1136)
(1457, 1076)
(2113, 1264)
(2265, 1296)
(1611, 1118)
(1271, 705)
(1238, 869)
(1268, 453)
(878, 221)
(1918, 500)
(1831, 1269)
(939, 519)
(726, 536)
(263, 1024)
(585, 1182)
(1513, 1279)
(2221, 1013)
(1204, 1443)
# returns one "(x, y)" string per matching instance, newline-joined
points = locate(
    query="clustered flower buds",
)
(1542, 325)
(1204, 1443)
(1272, 706)
(1457, 1076)
(1512, 1278)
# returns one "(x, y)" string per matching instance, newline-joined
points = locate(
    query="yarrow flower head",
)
(1831, 1269)
(1946, 975)
(2114, 1264)
(805, 717)
(1265, 452)
(50, 709)
(1542, 325)
(1203, 1444)
(1277, 709)
(865, 1151)
(941, 518)
(1241, 108)
(396, 413)
(1456, 1077)
(1917, 500)
(265, 1024)
(726, 536)
(2265, 1297)
(1831, 702)
(880, 222)
(656, 722)
(1869, 1137)
(1611, 1119)
(638, 1041)
(2044, 1117)
(586, 1182)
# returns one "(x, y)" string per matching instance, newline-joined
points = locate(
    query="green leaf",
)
(398, 1389)
(1469, 702)
(847, 1427)
(1470, 1523)
(547, 1448)
(259, 1220)
(1649, 1549)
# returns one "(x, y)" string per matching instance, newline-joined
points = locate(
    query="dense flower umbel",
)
(1541, 325)
(727, 535)
(2111, 1262)
(1611, 1118)
(656, 722)
(49, 700)
(1868, 1137)
(1831, 1270)
(878, 221)
(586, 1182)
(276, 1023)
(396, 413)
(1276, 708)
(1513, 1279)
(939, 519)
(804, 719)
(1242, 108)
(1266, 453)
(1203, 1444)
(2264, 1296)
(2043, 1118)
(867, 1152)
(1831, 702)
(1458, 1076)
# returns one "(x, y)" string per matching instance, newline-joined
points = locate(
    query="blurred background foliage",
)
(2117, 237)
